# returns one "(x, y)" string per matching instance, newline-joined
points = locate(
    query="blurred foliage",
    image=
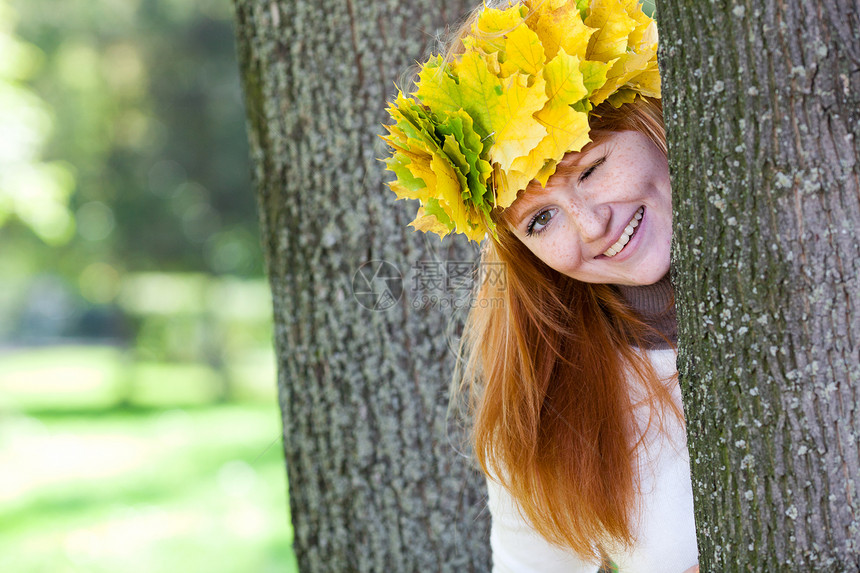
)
(147, 108)
(33, 191)
(124, 151)
(137, 378)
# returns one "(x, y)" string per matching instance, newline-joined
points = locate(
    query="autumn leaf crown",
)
(480, 126)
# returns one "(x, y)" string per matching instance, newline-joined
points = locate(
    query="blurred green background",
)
(139, 427)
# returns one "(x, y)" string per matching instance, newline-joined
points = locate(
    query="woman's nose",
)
(591, 219)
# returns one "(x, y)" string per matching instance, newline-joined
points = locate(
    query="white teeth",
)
(625, 236)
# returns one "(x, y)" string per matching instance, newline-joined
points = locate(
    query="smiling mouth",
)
(625, 237)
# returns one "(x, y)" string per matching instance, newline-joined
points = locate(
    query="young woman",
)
(542, 134)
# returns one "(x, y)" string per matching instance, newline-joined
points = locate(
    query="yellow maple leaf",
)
(437, 89)
(503, 108)
(634, 10)
(564, 81)
(508, 185)
(494, 66)
(545, 173)
(563, 28)
(524, 50)
(626, 67)
(516, 130)
(507, 68)
(405, 186)
(496, 21)
(567, 130)
(647, 83)
(614, 27)
(451, 147)
(447, 190)
(489, 30)
(429, 224)
(594, 74)
(478, 233)
(481, 90)
(644, 37)
(621, 97)
(420, 168)
(645, 33)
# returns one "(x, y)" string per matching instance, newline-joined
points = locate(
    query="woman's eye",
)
(540, 221)
(585, 174)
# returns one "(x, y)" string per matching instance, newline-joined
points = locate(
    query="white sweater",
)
(665, 530)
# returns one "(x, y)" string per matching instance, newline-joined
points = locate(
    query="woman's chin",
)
(652, 275)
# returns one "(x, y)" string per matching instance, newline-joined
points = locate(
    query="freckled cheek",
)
(563, 255)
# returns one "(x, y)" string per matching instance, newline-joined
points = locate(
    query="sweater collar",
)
(655, 305)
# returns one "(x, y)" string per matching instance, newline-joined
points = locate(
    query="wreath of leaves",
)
(477, 129)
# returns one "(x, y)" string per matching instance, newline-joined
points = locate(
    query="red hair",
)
(549, 371)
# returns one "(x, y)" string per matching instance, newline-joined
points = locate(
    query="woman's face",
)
(609, 223)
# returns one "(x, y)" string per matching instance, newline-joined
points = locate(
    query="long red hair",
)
(549, 367)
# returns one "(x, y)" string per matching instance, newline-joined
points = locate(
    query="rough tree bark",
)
(762, 104)
(376, 482)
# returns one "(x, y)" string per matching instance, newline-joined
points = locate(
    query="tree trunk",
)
(762, 106)
(377, 480)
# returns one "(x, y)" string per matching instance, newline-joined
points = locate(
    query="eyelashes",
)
(587, 173)
(543, 218)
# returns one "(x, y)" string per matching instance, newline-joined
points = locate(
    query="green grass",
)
(99, 377)
(89, 486)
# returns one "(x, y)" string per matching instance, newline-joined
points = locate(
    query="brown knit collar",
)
(655, 305)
